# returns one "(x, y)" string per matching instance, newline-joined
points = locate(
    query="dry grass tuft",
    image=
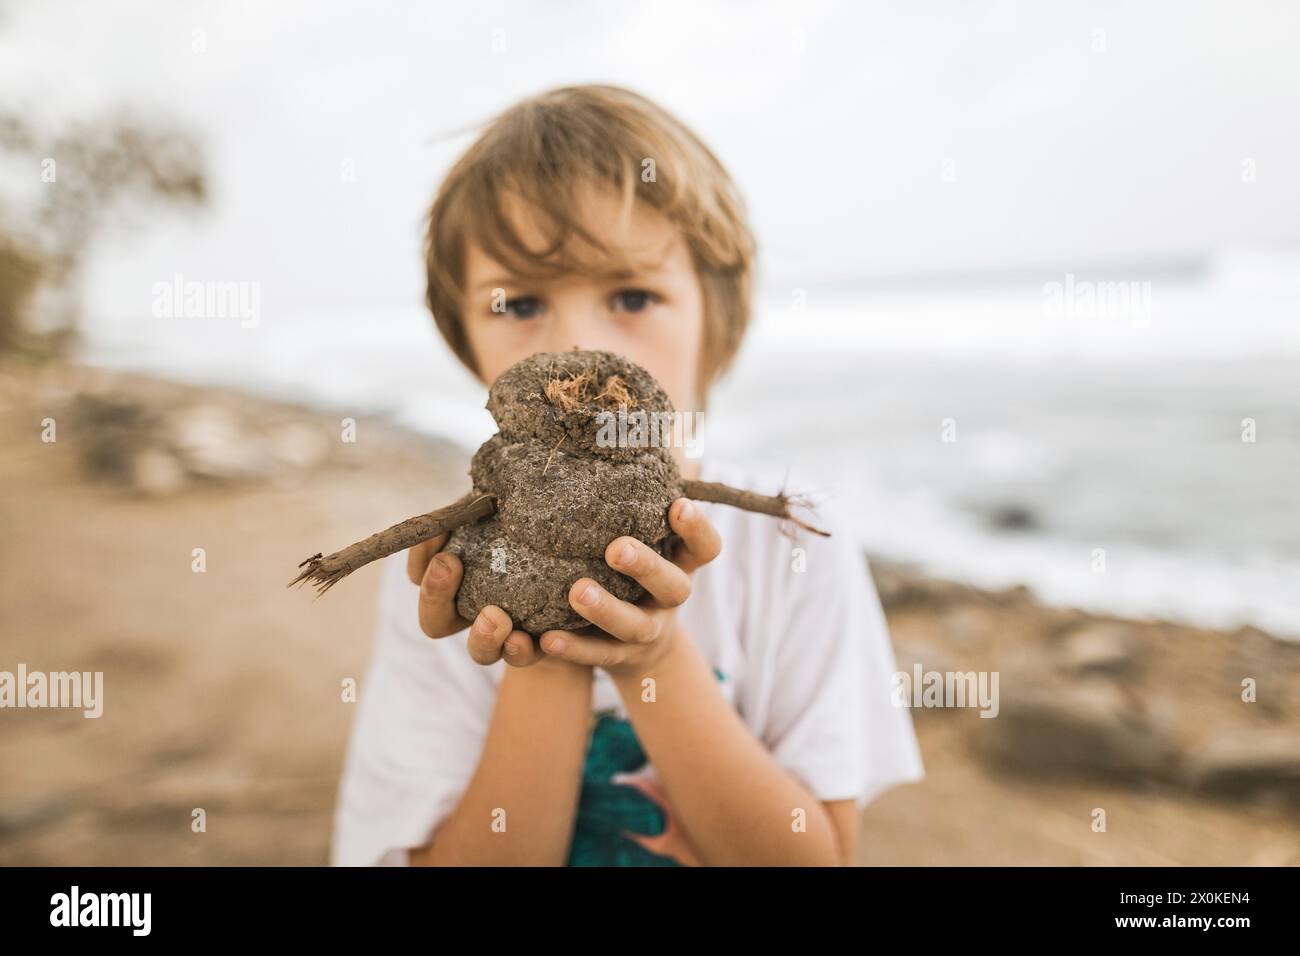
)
(578, 391)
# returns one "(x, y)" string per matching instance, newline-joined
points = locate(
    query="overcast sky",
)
(869, 142)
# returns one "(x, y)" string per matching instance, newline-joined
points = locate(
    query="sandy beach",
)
(224, 690)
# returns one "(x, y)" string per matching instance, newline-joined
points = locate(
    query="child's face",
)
(653, 316)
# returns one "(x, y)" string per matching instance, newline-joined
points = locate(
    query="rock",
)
(1098, 647)
(213, 442)
(298, 445)
(110, 431)
(155, 436)
(156, 472)
(1012, 517)
(966, 626)
(1016, 596)
(1273, 663)
(1276, 854)
(889, 578)
(1257, 652)
(1240, 762)
(901, 586)
(21, 818)
(1089, 726)
(931, 657)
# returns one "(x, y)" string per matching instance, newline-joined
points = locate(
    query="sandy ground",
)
(224, 689)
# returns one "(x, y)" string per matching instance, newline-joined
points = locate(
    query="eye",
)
(633, 300)
(524, 307)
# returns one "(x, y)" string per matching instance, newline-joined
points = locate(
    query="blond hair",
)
(544, 148)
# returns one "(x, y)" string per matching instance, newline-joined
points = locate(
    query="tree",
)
(67, 186)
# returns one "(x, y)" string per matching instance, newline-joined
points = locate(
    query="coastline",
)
(223, 690)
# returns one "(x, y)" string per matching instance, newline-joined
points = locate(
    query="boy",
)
(746, 725)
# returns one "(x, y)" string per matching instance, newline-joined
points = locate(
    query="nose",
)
(578, 321)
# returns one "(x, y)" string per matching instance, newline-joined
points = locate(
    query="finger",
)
(438, 616)
(627, 622)
(700, 540)
(487, 635)
(667, 583)
(418, 557)
(521, 650)
(589, 650)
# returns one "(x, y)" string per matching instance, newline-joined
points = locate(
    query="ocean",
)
(1136, 453)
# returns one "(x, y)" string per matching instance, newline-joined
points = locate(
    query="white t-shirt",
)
(797, 640)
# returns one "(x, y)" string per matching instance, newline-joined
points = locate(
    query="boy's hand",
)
(632, 637)
(491, 636)
(626, 638)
